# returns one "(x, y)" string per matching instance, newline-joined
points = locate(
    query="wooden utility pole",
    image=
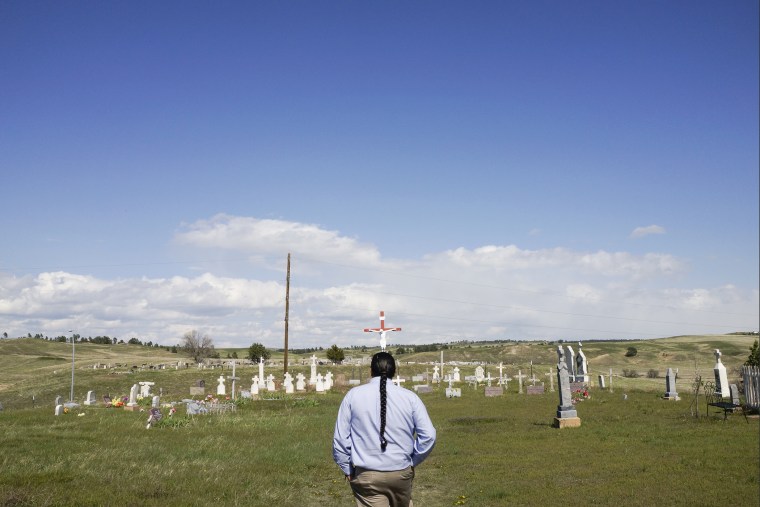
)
(287, 310)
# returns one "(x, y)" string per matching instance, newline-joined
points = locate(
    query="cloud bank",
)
(340, 283)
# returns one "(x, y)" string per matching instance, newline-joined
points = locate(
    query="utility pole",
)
(287, 310)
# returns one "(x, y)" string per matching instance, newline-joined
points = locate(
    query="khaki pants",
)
(383, 489)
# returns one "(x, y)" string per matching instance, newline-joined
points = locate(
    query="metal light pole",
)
(71, 397)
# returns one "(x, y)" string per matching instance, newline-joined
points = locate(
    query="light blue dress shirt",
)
(408, 429)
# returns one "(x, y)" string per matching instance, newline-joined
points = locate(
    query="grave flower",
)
(580, 395)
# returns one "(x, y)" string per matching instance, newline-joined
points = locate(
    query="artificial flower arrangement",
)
(580, 395)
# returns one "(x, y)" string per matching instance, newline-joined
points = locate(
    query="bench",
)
(728, 405)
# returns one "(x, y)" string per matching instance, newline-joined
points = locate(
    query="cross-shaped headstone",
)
(520, 378)
(382, 330)
(488, 379)
(233, 378)
(398, 380)
(551, 379)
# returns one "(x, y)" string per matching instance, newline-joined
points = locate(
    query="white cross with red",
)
(382, 330)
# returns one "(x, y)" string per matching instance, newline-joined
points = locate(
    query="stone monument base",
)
(132, 409)
(673, 397)
(567, 422)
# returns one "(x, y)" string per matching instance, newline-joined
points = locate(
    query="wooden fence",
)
(751, 376)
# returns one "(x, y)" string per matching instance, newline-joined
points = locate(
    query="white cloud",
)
(640, 232)
(261, 237)
(339, 285)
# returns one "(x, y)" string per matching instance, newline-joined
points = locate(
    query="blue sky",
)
(480, 170)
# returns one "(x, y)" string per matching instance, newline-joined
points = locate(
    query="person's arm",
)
(342, 437)
(425, 434)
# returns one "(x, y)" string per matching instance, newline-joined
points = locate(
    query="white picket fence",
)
(751, 376)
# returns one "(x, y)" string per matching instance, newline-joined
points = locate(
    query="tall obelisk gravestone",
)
(567, 417)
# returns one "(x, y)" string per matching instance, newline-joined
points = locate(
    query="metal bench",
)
(728, 405)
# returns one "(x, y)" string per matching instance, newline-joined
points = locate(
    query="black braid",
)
(383, 401)
(384, 366)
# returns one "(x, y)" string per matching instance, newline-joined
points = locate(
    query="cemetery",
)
(510, 419)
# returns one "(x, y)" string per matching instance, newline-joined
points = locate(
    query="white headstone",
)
(155, 402)
(300, 382)
(90, 398)
(262, 380)
(313, 378)
(59, 410)
(288, 383)
(270, 383)
(436, 375)
(221, 389)
(145, 388)
(255, 386)
(133, 396)
(457, 377)
(328, 381)
(479, 374)
(721, 377)
(320, 385)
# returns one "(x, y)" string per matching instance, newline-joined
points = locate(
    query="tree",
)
(336, 354)
(134, 341)
(400, 350)
(198, 346)
(631, 352)
(257, 351)
(754, 355)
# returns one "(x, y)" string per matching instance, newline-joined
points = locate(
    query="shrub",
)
(630, 373)
(653, 374)
(631, 352)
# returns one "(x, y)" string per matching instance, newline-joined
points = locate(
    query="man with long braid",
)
(383, 431)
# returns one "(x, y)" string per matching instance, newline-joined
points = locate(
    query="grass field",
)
(642, 450)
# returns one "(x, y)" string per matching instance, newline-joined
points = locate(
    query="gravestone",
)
(354, 382)
(567, 417)
(601, 381)
(734, 389)
(59, 410)
(479, 374)
(340, 379)
(145, 388)
(221, 389)
(90, 398)
(328, 380)
(301, 382)
(262, 380)
(453, 392)
(155, 402)
(570, 362)
(436, 375)
(271, 387)
(58, 400)
(551, 380)
(539, 389)
(581, 371)
(246, 395)
(423, 389)
(288, 383)
(457, 377)
(320, 384)
(721, 377)
(398, 380)
(520, 378)
(132, 403)
(670, 386)
(492, 391)
(313, 377)
(418, 378)
(255, 385)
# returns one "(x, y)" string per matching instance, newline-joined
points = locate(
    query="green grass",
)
(491, 451)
